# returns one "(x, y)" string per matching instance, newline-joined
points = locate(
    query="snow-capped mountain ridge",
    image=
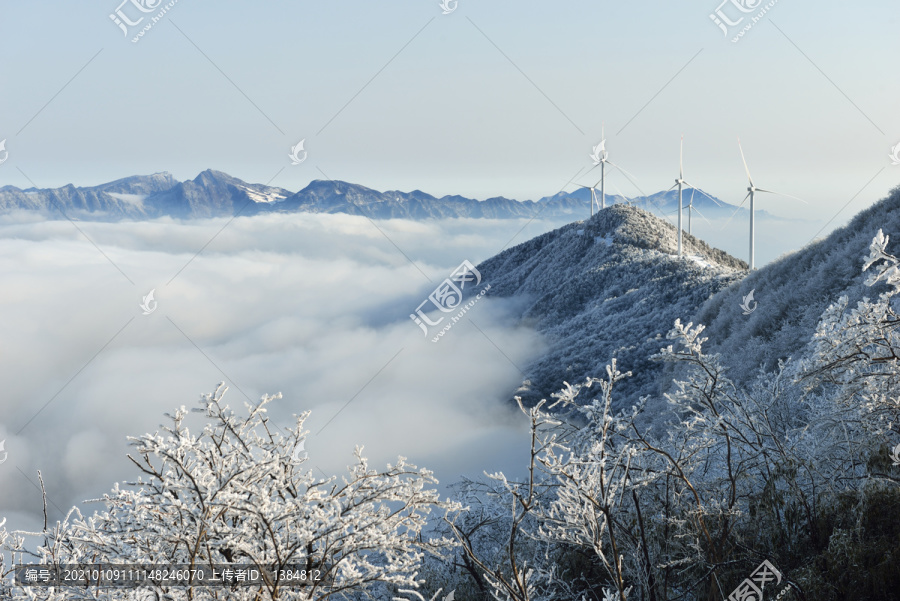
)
(217, 194)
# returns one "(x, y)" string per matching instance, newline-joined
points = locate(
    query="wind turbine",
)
(593, 190)
(751, 194)
(680, 183)
(691, 207)
(600, 157)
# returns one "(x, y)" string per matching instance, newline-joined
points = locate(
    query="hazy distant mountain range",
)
(217, 194)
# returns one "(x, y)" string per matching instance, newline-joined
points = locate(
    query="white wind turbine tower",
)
(691, 208)
(680, 183)
(593, 190)
(601, 158)
(751, 193)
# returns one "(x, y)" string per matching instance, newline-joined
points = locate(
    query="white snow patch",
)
(135, 199)
(607, 240)
(257, 196)
(699, 260)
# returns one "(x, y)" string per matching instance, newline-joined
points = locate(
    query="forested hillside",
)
(792, 293)
(606, 288)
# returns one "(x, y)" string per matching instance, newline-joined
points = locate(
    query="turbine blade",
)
(620, 169)
(704, 193)
(696, 210)
(628, 176)
(781, 194)
(746, 168)
(619, 191)
(736, 211)
(672, 188)
(681, 159)
(573, 178)
(584, 174)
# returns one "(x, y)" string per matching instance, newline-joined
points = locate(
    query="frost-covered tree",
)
(590, 461)
(661, 513)
(506, 572)
(724, 449)
(855, 357)
(561, 536)
(790, 467)
(236, 493)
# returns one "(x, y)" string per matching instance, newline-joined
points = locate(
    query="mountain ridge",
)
(608, 287)
(216, 194)
(612, 287)
(790, 305)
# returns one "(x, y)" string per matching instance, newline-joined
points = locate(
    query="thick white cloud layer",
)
(312, 306)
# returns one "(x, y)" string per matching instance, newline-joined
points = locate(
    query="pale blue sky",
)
(451, 114)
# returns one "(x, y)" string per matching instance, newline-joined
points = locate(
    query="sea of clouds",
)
(313, 306)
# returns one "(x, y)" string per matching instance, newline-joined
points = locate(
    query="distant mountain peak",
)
(214, 193)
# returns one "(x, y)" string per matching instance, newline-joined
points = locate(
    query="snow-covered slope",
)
(793, 291)
(120, 199)
(606, 288)
(212, 194)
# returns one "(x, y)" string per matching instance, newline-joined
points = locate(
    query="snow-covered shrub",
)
(855, 358)
(236, 493)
